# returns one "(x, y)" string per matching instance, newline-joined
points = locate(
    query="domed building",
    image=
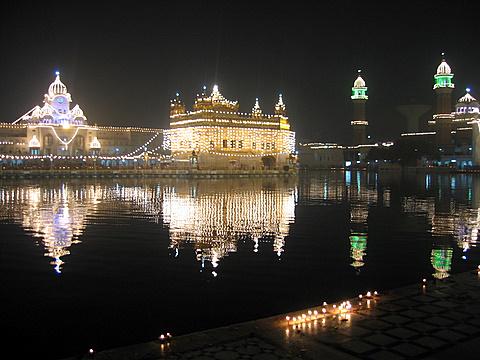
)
(215, 135)
(58, 129)
(451, 133)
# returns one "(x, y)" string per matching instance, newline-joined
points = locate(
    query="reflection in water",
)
(56, 215)
(448, 217)
(361, 195)
(208, 215)
(213, 218)
(442, 262)
(359, 190)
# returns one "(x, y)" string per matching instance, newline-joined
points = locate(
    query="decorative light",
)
(34, 143)
(95, 144)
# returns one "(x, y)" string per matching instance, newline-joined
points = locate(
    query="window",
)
(225, 143)
(48, 140)
(212, 145)
(254, 145)
(233, 144)
(240, 144)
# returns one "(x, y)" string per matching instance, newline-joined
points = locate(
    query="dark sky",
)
(122, 64)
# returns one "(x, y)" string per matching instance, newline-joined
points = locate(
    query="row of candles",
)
(163, 338)
(343, 310)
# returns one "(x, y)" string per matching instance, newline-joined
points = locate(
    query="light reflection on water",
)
(210, 216)
(320, 236)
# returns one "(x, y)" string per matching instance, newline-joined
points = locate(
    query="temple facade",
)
(215, 135)
(58, 129)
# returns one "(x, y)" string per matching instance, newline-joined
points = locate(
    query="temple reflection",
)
(212, 217)
(209, 216)
(56, 215)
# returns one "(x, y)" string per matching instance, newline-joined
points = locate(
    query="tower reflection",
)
(453, 218)
(356, 188)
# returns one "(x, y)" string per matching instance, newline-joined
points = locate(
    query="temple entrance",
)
(269, 162)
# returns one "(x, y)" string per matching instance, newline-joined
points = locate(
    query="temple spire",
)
(256, 110)
(280, 108)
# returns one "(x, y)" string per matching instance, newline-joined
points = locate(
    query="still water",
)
(104, 263)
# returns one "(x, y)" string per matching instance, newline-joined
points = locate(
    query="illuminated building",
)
(443, 117)
(359, 123)
(56, 128)
(452, 131)
(215, 135)
(321, 155)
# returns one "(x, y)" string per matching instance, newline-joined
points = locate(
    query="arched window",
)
(80, 141)
(48, 140)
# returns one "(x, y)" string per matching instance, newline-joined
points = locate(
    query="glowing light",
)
(34, 143)
(215, 128)
(95, 144)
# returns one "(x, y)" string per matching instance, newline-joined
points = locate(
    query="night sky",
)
(122, 64)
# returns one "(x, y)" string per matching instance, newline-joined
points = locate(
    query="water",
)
(111, 262)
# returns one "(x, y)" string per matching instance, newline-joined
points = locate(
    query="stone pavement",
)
(440, 320)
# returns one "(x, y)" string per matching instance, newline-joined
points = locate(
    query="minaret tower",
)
(443, 117)
(359, 122)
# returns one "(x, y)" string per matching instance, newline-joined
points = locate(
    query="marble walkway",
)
(438, 319)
